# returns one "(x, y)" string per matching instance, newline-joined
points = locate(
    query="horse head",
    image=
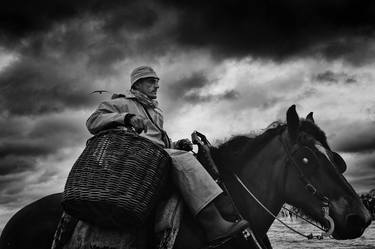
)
(314, 181)
(291, 163)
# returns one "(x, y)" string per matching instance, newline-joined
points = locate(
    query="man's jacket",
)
(111, 114)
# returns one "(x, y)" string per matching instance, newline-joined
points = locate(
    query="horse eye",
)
(305, 160)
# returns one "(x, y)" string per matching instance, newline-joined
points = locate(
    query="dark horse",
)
(289, 163)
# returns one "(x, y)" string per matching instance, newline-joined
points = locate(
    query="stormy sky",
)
(226, 67)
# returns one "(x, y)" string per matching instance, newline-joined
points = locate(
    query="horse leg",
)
(266, 242)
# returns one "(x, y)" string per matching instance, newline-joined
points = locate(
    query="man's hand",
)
(184, 144)
(138, 123)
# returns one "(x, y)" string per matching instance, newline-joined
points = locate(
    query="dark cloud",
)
(63, 47)
(62, 58)
(21, 152)
(106, 56)
(74, 26)
(327, 76)
(41, 86)
(332, 77)
(275, 29)
(266, 29)
(8, 195)
(362, 184)
(12, 164)
(31, 152)
(350, 80)
(191, 89)
(187, 85)
(354, 137)
(229, 95)
(352, 47)
(20, 19)
(10, 127)
(361, 170)
(72, 130)
(132, 15)
(30, 148)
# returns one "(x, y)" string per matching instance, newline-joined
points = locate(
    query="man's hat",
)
(142, 72)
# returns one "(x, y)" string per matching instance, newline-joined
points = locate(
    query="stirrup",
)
(217, 243)
(235, 231)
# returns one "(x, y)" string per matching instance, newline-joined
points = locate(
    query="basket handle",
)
(126, 129)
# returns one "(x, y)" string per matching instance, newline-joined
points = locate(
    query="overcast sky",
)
(226, 67)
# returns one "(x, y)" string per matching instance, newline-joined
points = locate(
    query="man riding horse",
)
(293, 164)
(138, 109)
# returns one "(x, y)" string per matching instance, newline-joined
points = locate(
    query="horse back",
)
(34, 225)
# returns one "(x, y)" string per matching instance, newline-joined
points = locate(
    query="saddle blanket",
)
(77, 234)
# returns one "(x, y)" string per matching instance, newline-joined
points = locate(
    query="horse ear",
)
(310, 117)
(292, 120)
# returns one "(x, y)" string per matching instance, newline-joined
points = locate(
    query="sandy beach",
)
(283, 238)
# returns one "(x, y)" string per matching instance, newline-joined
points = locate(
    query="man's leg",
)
(199, 191)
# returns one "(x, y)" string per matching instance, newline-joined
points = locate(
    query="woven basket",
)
(117, 179)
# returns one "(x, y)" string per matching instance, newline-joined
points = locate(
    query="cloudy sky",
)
(226, 67)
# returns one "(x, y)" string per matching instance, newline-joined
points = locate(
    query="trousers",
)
(193, 181)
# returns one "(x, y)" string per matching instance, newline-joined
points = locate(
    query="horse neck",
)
(264, 175)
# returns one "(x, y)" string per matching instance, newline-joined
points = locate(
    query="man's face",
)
(149, 86)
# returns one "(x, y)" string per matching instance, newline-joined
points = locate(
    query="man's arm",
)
(109, 115)
(183, 144)
(106, 116)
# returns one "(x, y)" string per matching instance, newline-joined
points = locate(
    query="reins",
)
(310, 188)
(310, 236)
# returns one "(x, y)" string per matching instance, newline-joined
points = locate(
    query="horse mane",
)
(230, 154)
(314, 130)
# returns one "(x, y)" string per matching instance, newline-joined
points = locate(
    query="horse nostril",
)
(353, 220)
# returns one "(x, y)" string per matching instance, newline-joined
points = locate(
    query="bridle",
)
(308, 186)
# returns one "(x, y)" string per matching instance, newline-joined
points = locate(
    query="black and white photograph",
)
(228, 124)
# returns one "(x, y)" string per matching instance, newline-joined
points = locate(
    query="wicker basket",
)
(117, 179)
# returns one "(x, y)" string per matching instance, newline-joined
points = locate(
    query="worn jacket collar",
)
(129, 95)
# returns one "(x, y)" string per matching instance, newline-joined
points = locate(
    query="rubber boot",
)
(216, 227)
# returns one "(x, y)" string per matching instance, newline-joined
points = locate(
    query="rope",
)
(310, 236)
